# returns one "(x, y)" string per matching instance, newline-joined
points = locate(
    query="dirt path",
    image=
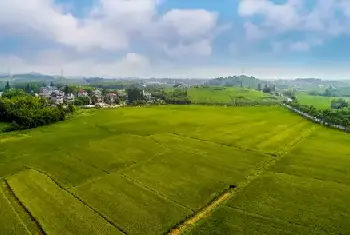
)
(201, 215)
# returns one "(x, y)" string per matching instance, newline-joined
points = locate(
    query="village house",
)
(97, 94)
(122, 93)
(82, 93)
(56, 97)
(45, 92)
(69, 98)
(111, 98)
(147, 95)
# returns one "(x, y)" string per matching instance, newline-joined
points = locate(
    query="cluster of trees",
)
(177, 96)
(267, 88)
(329, 92)
(339, 104)
(326, 117)
(159, 95)
(29, 112)
(135, 96)
(290, 93)
(333, 92)
(171, 96)
(241, 81)
(25, 112)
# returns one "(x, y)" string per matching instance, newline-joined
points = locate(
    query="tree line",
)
(24, 111)
(338, 117)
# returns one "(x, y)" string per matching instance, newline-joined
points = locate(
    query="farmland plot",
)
(325, 155)
(288, 203)
(194, 179)
(306, 192)
(10, 222)
(57, 211)
(134, 208)
(145, 170)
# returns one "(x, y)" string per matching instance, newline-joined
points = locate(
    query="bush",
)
(328, 116)
(30, 112)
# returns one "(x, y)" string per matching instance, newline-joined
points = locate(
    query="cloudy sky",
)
(176, 38)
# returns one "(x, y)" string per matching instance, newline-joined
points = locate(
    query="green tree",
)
(82, 101)
(273, 88)
(104, 92)
(266, 89)
(11, 93)
(28, 88)
(134, 94)
(66, 89)
(259, 87)
(7, 86)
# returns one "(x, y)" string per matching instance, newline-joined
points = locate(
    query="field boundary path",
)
(232, 191)
(11, 193)
(80, 200)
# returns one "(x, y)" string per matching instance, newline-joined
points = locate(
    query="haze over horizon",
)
(268, 39)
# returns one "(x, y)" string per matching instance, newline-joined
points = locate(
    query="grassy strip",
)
(56, 210)
(135, 209)
(298, 200)
(10, 222)
(226, 220)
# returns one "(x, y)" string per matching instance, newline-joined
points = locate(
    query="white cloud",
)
(279, 16)
(111, 24)
(321, 20)
(300, 46)
(253, 32)
(132, 64)
(92, 44)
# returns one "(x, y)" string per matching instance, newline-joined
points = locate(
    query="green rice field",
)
(148, 170)
(222, 94)
(320, 102)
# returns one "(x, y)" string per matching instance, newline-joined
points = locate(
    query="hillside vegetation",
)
(145, 170)
(320, 102)
(238, 81)
(219, 94)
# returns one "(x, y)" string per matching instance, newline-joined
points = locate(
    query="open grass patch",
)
(225, 95)
(118, 151)
(324, 155)
(320, 102)
(57, 211)
(321, 206)
(226, 220)
(10, 222)
(194, 179)
(134, 208)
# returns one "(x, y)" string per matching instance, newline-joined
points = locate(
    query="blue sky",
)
(177, 38)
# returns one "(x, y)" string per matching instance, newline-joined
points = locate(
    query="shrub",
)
(29, 112)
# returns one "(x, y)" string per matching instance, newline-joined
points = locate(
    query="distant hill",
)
(27, 77)
(33, 77)
(240, 81)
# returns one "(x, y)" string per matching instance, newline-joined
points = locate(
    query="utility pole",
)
(61, 73)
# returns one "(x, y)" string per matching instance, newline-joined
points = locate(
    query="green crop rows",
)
(320, 102)
(146, 170)
(225, 95)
